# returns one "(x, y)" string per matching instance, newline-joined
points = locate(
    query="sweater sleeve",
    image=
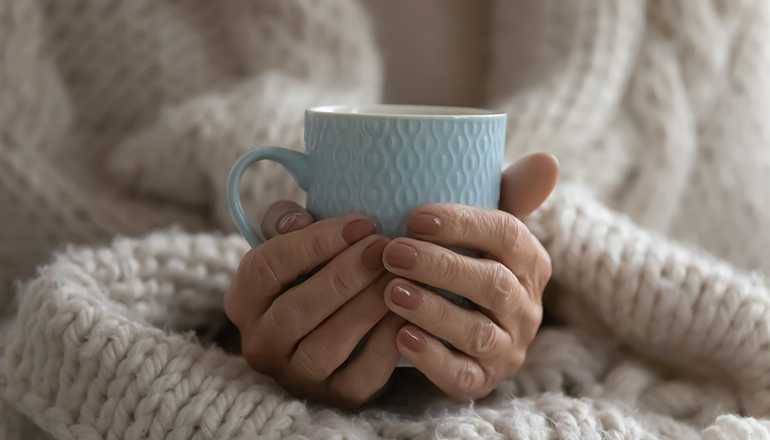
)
(560, 70)
(295, 54)
(631, 95)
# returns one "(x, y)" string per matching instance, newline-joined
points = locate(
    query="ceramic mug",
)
(385, 160)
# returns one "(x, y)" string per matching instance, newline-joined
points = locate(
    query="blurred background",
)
(415, 37)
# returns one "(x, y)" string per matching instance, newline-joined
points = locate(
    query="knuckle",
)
(501, 287)
(465, 380)
(531, 321)
(259, 271)
(359, 315)
(464, 221)
(287, 317)
(367, 313)
(314, 362)
(440, 311)
(484, 337)
(382, 355)
(341, 281)
(447, 263)
(255, 276)
(544, 268)
(509, 230)
(318, 247)
(516, 360)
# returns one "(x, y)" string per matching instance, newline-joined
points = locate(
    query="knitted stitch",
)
(91, 90)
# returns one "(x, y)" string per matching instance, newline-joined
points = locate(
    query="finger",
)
(469, 331)
(457, 375)
(330, 344)
(266, 269)
(283, 217)
(487, 283)
(303, 307)
(368, 372)
(493, 232)
(527, 183)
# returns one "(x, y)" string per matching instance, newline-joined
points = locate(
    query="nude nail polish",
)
(401, 256)
(423, 224)
(357, 229)
(371, 257)
(413, 340)
(406, 296)
(287, 221)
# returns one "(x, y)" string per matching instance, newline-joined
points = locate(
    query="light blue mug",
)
(385, 160)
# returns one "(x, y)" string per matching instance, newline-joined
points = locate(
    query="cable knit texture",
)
(123, 117)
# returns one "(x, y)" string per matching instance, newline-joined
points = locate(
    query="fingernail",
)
(357, 230)
(406, 296)
(287, 221)
(555, 158)
(371, 257)
(423, 223)
(412, 340)
(401, 255)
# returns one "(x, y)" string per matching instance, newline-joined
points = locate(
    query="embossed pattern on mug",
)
(374, 170)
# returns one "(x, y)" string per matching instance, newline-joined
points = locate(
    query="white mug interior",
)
(411, 111)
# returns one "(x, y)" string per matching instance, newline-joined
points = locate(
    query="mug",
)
(385, 160)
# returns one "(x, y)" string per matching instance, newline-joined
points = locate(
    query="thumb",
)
(527, 183)
(283, 217)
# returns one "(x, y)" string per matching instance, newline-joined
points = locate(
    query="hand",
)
(506, 283)
(303, 334)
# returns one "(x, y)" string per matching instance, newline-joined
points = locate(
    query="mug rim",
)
(406, 111)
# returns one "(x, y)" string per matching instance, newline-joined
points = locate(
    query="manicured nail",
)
(412, 340)
(371, 257)
(401, 255)
(556, 159)
(423, 223)
(406, 296)
(287, 221)
(357, 230)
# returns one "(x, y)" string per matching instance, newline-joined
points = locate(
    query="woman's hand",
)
(506, 283)
(303, 334)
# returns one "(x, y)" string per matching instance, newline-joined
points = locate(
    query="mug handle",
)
(298, 165)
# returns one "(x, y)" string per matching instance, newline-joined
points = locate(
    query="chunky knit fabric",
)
(124, 117)
(662, 342)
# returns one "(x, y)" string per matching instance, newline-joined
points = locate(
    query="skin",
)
(302, 334)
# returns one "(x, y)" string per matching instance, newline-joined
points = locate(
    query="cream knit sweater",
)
(120, 117)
